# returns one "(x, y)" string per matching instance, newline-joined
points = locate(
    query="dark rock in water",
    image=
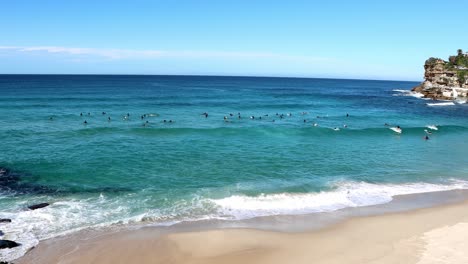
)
(8, 244)
(5, 220)
(10, 183)
(37, 206)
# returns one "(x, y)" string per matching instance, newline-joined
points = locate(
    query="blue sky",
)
(331, 39)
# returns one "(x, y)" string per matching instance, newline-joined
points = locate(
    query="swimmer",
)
(252, 117)
(305, 121)
(109, 119)
(230, 114)
(85, 122)
(426, 138)
(81, 114)
(225, 117)
(89, 114)
(345, 126)
(347, 115)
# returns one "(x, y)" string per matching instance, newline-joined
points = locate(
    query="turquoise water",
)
(129, 171)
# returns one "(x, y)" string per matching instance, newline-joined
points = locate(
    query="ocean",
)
(148, 154)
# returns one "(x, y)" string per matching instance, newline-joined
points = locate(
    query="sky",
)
(388, 40)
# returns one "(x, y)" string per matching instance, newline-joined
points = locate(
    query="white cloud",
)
(154, 54)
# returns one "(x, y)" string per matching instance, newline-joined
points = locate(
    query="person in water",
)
(426, 138)
(85, 122)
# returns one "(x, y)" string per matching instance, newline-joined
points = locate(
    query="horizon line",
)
(209, 75)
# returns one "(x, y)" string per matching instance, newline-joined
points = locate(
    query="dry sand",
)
(431, 235)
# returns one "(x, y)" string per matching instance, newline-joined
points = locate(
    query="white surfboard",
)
(396, 129)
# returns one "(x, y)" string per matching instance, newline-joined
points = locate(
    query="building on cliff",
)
(445, 80)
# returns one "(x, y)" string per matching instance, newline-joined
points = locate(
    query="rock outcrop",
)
(445, 80)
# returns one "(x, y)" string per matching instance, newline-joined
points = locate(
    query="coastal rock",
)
(37, 206)
(5, 220)
(8, 244)
(445, 80)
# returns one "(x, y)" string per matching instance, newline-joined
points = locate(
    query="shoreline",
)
(234, 241)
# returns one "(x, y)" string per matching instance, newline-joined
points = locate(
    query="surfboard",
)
(433, 127)
(396, 129)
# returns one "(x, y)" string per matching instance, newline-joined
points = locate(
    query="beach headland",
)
(396, 232)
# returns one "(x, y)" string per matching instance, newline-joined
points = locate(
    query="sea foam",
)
(348, 194)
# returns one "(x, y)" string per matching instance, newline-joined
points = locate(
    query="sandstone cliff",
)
(445, 80)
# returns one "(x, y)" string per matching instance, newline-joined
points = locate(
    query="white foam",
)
(440, 104)
(348, 194)
(408, 93)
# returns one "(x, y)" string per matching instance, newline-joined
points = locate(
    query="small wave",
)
(347, 194)
(441, 104)
(408, 93)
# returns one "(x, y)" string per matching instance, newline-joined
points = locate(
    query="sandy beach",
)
(429, 235)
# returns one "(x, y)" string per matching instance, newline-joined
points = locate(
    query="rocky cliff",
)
(445, 80)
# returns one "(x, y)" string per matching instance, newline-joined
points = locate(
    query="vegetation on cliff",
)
(458, 64)
(445, 80)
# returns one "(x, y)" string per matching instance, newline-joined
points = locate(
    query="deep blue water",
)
(285, 160)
